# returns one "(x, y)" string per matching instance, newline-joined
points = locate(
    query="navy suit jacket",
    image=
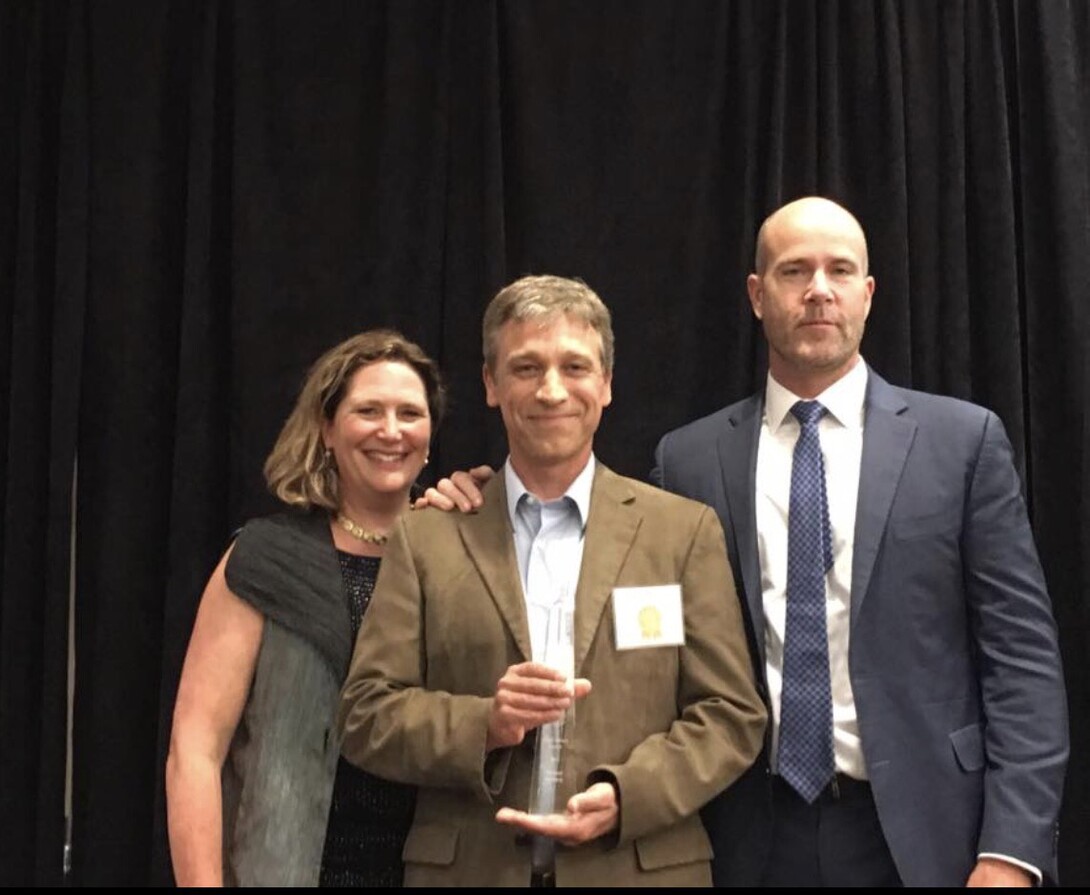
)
(953, 658)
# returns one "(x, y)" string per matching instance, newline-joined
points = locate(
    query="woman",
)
(253, 773)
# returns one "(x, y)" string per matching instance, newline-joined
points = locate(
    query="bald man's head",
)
(812, 213)
(811, 292)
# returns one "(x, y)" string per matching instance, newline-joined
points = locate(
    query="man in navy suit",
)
(948, 712)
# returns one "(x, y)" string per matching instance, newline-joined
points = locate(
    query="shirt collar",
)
(844, 399)
(578, 491)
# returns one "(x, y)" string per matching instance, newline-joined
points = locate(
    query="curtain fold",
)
(42, 295)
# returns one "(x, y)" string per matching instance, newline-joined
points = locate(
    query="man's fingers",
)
(598, 797)
(528, 695)
(508, 700)
(529, 674)
(508, 727)
(529, 720)
(564, 828)
(534, 687)
(511, 817)
(541, 824)
(536, 670)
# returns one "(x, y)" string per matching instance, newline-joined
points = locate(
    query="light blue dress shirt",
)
(549, 549)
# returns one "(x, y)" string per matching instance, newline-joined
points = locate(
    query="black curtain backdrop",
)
(196, 198)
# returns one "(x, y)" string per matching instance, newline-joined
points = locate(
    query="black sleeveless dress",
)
(369, 817)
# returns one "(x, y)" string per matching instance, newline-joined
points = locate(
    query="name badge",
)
(648, 616)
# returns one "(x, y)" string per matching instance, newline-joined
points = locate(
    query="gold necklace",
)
(359, 532)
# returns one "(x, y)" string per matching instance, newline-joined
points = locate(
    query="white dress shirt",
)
(841, 434)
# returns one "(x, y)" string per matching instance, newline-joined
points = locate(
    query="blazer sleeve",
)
(720, 720)
(1021, 679)
(392, 725)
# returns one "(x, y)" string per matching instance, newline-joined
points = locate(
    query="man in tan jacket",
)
(454, 673)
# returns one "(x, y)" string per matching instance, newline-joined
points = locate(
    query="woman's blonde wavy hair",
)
(297, 470)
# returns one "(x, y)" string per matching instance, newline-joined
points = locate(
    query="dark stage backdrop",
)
(196, 198)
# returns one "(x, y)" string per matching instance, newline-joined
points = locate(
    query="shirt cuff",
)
(1029, 868)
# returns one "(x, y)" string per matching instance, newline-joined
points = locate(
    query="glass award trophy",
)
(547, 779)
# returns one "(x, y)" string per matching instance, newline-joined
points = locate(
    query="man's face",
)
(813, 296)
(550, 388)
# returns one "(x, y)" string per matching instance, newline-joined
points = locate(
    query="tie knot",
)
(808, 412)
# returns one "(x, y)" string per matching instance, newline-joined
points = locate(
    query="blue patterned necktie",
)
(806, 708)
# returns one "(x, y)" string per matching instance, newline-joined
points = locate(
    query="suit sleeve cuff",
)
(600, 775)
(496, 764)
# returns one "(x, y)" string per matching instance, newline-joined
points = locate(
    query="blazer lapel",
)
(610, 531)
(490, 544)
(737, 441)
(887, 438)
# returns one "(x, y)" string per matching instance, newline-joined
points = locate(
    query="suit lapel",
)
(490, 544)
(611, 529)
(887, 438)
(740, 439)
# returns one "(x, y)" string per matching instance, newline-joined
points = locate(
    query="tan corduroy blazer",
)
(674, 725)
